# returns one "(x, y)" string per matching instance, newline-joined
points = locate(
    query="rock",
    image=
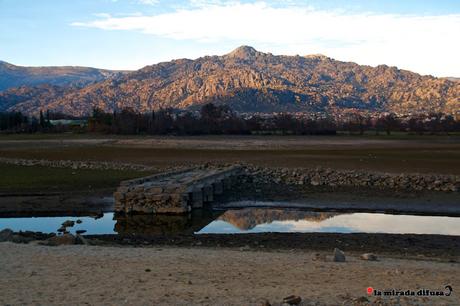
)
(264, 302)
(79, 221)
(245, 248)
(369, 256)
(339, 255)
(292, 300)
(362, 300)
(80, 240)
(68, 223)
(62, 229)
(5, 235)
(21, 239)
(80, 232)
(66, 239)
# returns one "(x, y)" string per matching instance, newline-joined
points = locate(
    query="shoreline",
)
(210, 276)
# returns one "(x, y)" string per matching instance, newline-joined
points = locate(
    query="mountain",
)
(251, 81)
(16, 76)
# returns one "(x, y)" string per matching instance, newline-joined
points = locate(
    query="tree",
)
(42, 120)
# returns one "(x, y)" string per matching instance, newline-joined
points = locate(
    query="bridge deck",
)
(174, 192)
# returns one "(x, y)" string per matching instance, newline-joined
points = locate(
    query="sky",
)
(418, 35)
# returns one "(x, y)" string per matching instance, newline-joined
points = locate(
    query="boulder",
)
(369, 257)
(80, 240)
(66, 239)
(68, 223)
(292, 300)
(339, 255)
(6, 235)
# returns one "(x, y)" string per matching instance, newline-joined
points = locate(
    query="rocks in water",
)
(339, 255)
(68, 223)
(369, 257)
(292, 300)
(62, 229)
(6, 235)
(66, 239)
(79, 221)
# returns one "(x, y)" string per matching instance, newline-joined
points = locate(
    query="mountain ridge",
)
(251, 81)
(12, 76)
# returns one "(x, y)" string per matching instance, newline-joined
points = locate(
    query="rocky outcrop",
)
(252, 81)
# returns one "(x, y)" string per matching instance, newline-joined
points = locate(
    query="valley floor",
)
(95, 275)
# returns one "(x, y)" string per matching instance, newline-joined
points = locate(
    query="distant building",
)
(69, 122)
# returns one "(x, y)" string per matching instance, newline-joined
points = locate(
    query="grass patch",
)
(45, 179)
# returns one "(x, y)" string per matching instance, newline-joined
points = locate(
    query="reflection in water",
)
(92, 226)
(257, 220)
(163, 224)
(111, 223)
(248, 220)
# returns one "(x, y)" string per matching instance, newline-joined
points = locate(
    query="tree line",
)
(220, 119)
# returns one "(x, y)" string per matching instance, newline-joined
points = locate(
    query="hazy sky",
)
(419, 35)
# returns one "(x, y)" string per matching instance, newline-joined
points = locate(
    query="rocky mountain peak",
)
(243, 52)
(317, 56)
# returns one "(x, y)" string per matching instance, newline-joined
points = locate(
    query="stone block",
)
(218, 188)
(208, 194)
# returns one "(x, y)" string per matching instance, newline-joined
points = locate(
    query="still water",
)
(247, 220)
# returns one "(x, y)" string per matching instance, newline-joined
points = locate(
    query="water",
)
(104, 225)
(260, 220)
(248, 220)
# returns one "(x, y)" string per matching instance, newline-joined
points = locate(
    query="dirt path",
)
(76, 275)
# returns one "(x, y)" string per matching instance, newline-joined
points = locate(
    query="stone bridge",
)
(175, 192)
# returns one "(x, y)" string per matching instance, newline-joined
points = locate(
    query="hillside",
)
(15, 76)
(252, 81)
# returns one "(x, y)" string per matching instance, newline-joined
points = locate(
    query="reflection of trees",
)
(248, 218)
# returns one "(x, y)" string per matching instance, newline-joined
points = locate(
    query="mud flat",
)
(76, 275)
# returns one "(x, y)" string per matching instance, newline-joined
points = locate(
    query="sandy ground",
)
(95, 275)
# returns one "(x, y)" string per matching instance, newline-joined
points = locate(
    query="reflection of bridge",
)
(149, 224)
(174, 192)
